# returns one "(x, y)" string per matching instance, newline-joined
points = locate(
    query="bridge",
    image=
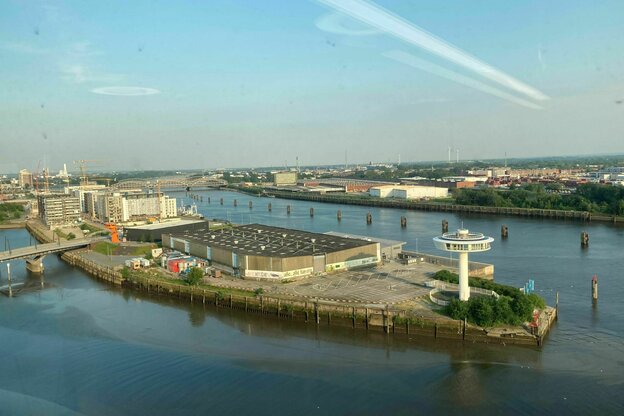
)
(34, 254)
(184, 183)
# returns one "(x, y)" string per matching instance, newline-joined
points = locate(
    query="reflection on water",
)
(79, 345)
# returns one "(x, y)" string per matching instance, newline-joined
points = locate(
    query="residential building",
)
(58, 209)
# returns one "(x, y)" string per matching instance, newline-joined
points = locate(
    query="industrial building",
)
(408, 192)
(390, 249)
(285, 178)
(58, 209)
(257, 251)
(153, 232)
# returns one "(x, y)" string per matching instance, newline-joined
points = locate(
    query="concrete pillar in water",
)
(221, 201)
(339, 215)
(250, 204)
(9, 277)
(235, 203)
(35, 265)
(311, 212)
(270, 207)
(595, 288)
(369, 218)
(444, 226)
(504, 231)
(208, 199)
(288, 209)
(464, 289)
(584, 239)
(403, 222)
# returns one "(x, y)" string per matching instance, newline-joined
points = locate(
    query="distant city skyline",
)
(227, 84)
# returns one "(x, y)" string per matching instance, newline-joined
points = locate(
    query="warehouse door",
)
(319, 263)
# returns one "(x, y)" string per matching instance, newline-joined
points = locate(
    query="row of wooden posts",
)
(369, 220)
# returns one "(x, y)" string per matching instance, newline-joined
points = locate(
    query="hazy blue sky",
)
(208, 84)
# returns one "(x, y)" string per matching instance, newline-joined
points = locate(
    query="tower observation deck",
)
(463, 242)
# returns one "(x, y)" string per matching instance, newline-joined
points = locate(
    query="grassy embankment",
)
(157, 275)
(106, 248)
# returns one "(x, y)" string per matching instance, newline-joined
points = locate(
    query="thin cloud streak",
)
(413, 61)
(79, 74)
(125, 91)
(394, 25)
(335, 23)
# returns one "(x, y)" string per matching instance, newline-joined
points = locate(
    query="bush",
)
(523, 308)
(536, 301)
(194, 276)
(125, 273)
(258, 291)
(457, 309)
(481, 310)
(71, 236)
(504, 313)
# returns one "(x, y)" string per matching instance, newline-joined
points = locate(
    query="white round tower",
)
(463, 242)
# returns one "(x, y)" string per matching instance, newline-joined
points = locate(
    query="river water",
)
(78, 346)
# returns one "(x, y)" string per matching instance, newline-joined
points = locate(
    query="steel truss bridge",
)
(189, 183)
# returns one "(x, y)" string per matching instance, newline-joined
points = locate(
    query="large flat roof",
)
(265, 240)
(382, 241)
(166, 224)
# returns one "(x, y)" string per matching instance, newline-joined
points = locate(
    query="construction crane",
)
(37, 176)
(82, 164)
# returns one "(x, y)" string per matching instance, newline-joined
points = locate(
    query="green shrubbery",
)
(10, 210)
(512, 307)
(194, 276)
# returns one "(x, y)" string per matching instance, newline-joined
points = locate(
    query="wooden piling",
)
(235, 203)
(270, 207)
(584, 239)
(369, 218)
(444, 226)
(221, 201)
(288, 209)
(311, 212)
(339, 215)
(594, 287)
(403, 222)
(250, 204)
(504, 231)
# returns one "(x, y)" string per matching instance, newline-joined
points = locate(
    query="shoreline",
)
(398, 321)
(582, 216)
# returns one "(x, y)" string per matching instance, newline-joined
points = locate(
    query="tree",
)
(194, 276)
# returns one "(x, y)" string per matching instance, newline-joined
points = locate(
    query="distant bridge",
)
(187, 183)
(34, 254)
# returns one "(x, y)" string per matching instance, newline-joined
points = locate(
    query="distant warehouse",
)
(258, 251)
(408, 192)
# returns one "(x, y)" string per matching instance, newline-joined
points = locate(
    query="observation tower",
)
(463, 242)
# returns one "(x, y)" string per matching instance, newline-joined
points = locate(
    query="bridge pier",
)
(35, 265)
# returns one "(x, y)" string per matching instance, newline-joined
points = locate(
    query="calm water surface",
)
(78, 346)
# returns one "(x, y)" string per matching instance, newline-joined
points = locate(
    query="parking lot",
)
(390, 283)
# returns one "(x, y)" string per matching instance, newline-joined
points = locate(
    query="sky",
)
(220, 84)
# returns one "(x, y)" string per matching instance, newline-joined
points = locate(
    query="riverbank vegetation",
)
(10, 211)
(512, 307)
(591, 197)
